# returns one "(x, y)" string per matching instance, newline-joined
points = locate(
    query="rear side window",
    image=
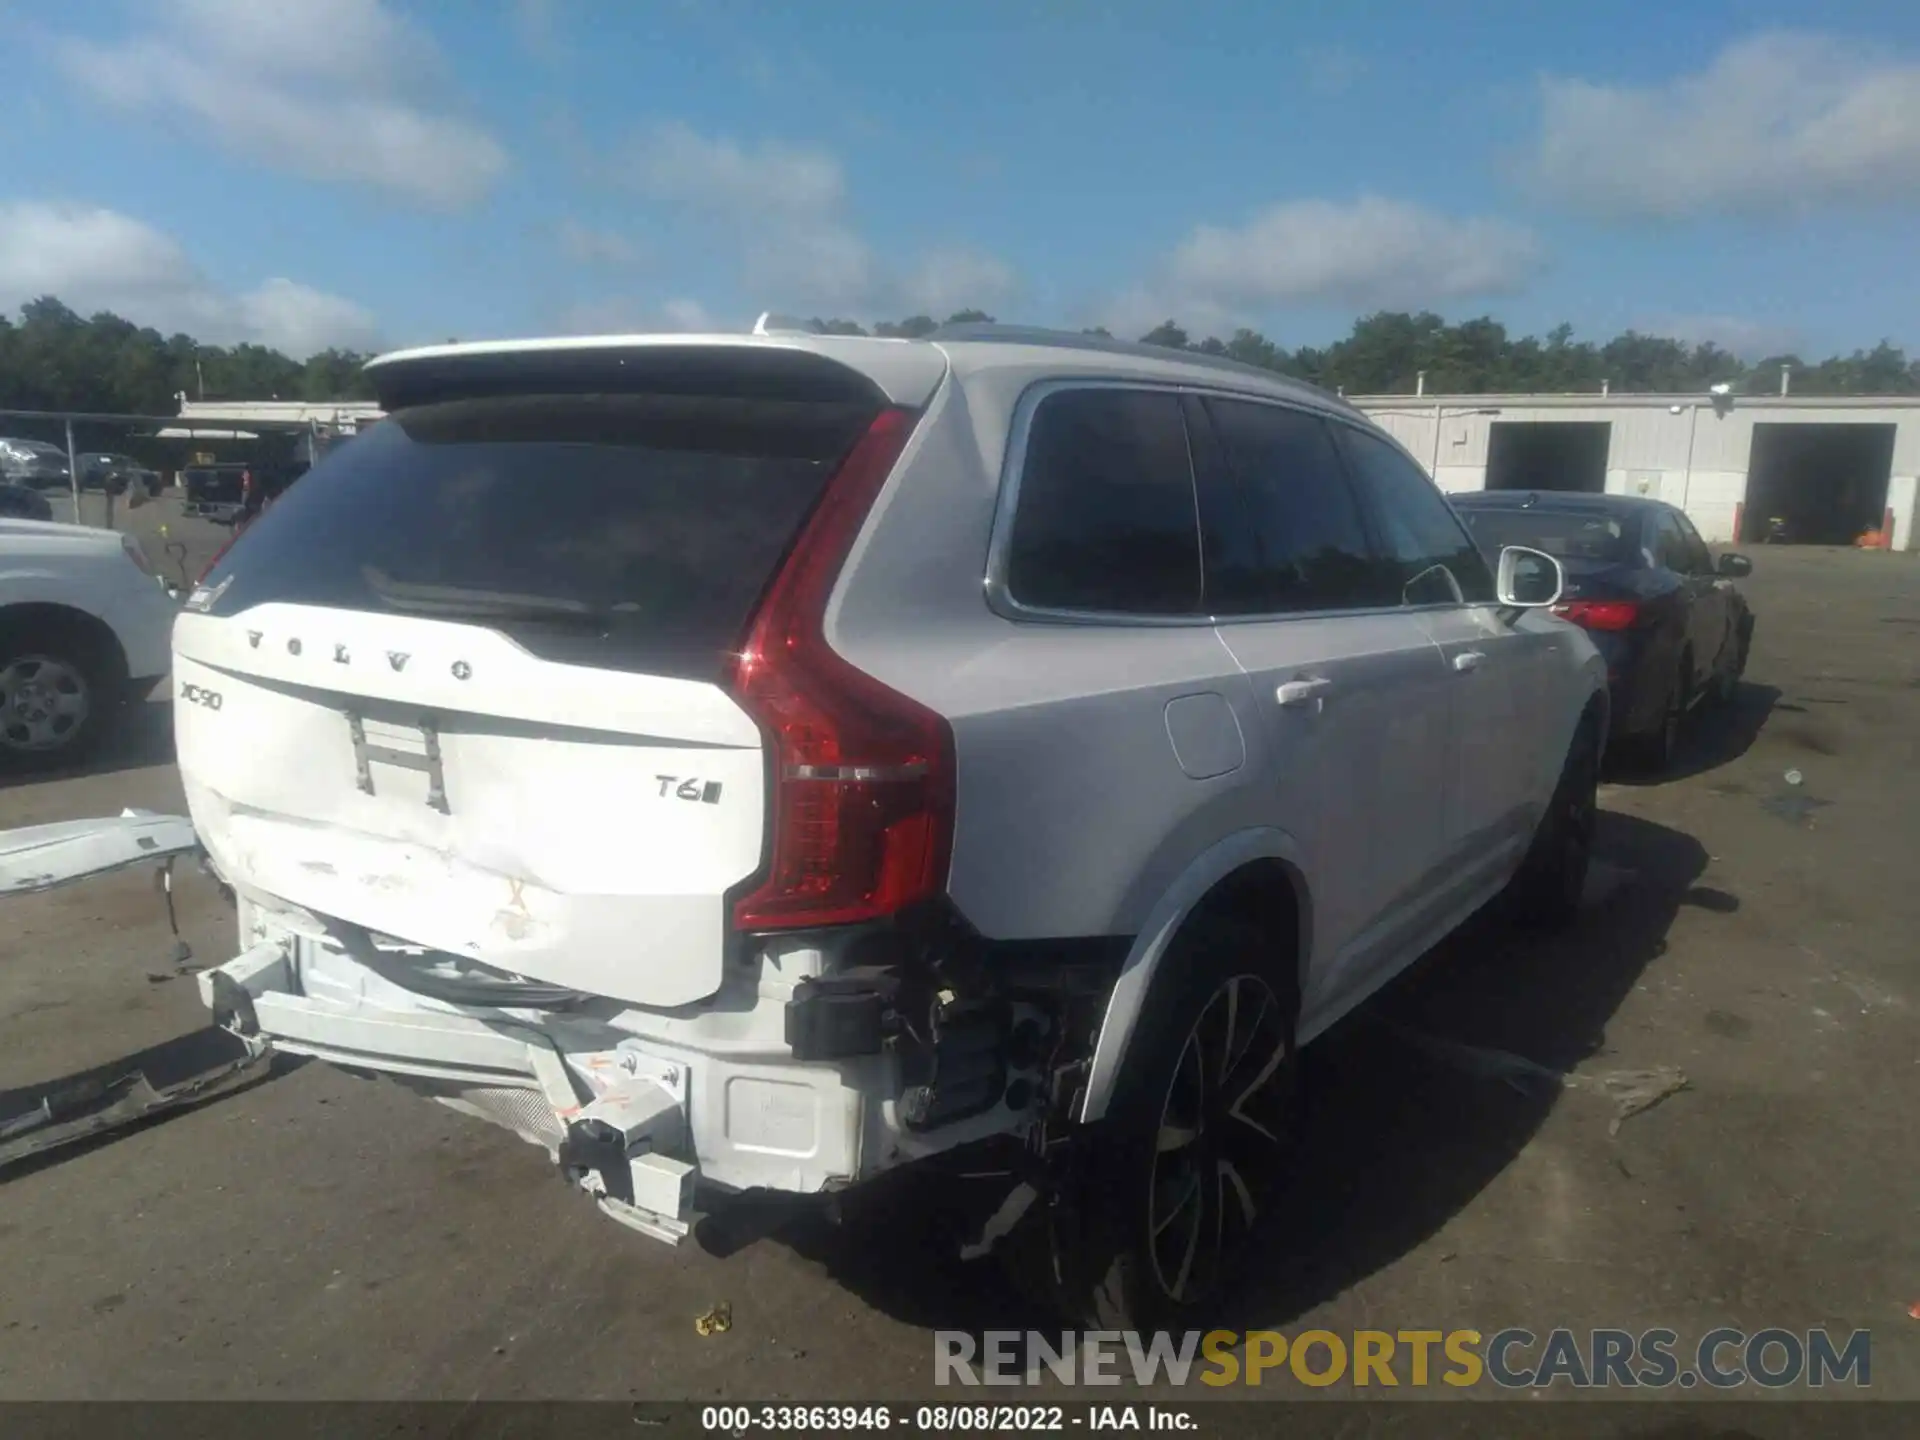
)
(1419, 531)
(1283, 530)
(1699, 558)
(630, 532)
(1670, 546)
(1106, 520)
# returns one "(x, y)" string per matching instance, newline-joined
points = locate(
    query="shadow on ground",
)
(1397, 1143)
(1715, 735)
(145, 739)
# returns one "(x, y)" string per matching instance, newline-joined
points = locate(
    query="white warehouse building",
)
(1832, 467)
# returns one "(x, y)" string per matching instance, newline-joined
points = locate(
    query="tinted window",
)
(1670, 546)
(1563, 534)
(1283, 529)
(1106, 518)
(1699, 561)
(630, 532)
(1417, 527)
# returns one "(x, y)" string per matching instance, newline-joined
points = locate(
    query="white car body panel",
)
(568, 851)
(88, 570)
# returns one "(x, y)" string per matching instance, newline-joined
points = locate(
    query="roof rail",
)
(1107, 345)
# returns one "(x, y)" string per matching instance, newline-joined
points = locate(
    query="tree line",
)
(1388, 352)
(54, 359)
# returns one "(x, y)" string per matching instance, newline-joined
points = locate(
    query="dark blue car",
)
(22, 502)
(1662, 611)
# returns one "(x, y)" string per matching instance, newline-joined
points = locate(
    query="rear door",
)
(1713, 620)
(1491, 757)
(1701, 621)
(1351, 690)
(466, 689)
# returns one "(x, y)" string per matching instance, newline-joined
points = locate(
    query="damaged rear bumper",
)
(633, 1105)
(613, 1117)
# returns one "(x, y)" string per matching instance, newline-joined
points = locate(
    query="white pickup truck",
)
(85, 628)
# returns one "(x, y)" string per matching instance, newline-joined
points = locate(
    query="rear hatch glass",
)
(628, 532)
(1587, 537)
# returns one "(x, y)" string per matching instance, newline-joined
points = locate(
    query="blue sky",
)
(378, 172)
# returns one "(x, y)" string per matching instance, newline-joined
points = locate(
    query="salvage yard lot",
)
(323, 1236)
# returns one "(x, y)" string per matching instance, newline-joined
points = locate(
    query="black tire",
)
(1136, 1261)
(1547, 890)
(1657, 750)
(1726, 681)
(62, 690)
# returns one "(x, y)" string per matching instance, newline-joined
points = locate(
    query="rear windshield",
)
(622, 531)
(214, 484)
(1563, 534)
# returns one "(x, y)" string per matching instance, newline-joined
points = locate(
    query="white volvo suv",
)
(771, 760)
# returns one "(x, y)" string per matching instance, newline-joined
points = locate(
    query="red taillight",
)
(863, 777)
(1600, 614)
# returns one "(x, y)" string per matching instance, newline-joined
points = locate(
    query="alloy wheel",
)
(1223, 1139)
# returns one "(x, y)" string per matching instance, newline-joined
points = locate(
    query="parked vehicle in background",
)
(23, 502)
(229, 493)
(85, 626)
(213, 492)
(780, 759)
(116, 474)
(1673, 627)
(34, 462)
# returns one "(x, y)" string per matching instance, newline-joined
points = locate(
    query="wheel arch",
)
(1255, 873)
(29, 617)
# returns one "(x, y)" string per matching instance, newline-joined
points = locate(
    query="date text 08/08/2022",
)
(941, 1419)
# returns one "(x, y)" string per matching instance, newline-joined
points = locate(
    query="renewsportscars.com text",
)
(1514, 1359)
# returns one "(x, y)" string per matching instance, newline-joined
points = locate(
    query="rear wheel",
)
(1553, 878)
(1660, 746)
(1727, 682)
(1201, 1138)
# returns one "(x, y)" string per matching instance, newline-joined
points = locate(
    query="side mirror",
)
(1528, 579)
(1734, 565)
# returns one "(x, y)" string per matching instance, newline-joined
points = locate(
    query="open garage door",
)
(1828, 483)
(1549, 455)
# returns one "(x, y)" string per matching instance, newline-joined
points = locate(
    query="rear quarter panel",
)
(1074, 815)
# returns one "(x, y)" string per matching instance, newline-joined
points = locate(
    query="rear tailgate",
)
(466, 689)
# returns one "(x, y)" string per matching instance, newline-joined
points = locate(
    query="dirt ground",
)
(322, 1236)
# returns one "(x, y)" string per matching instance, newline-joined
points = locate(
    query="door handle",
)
(1469, 660)
(1301, 692)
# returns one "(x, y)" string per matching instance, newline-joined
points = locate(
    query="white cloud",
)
(335, 90)
(784, 211)
(1779, 123)
(689, 316)
(1749, 339)
(96, 259)
(674, 162)
(586, 245)
(948, 281)
(626, 315)
(1361, 254)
